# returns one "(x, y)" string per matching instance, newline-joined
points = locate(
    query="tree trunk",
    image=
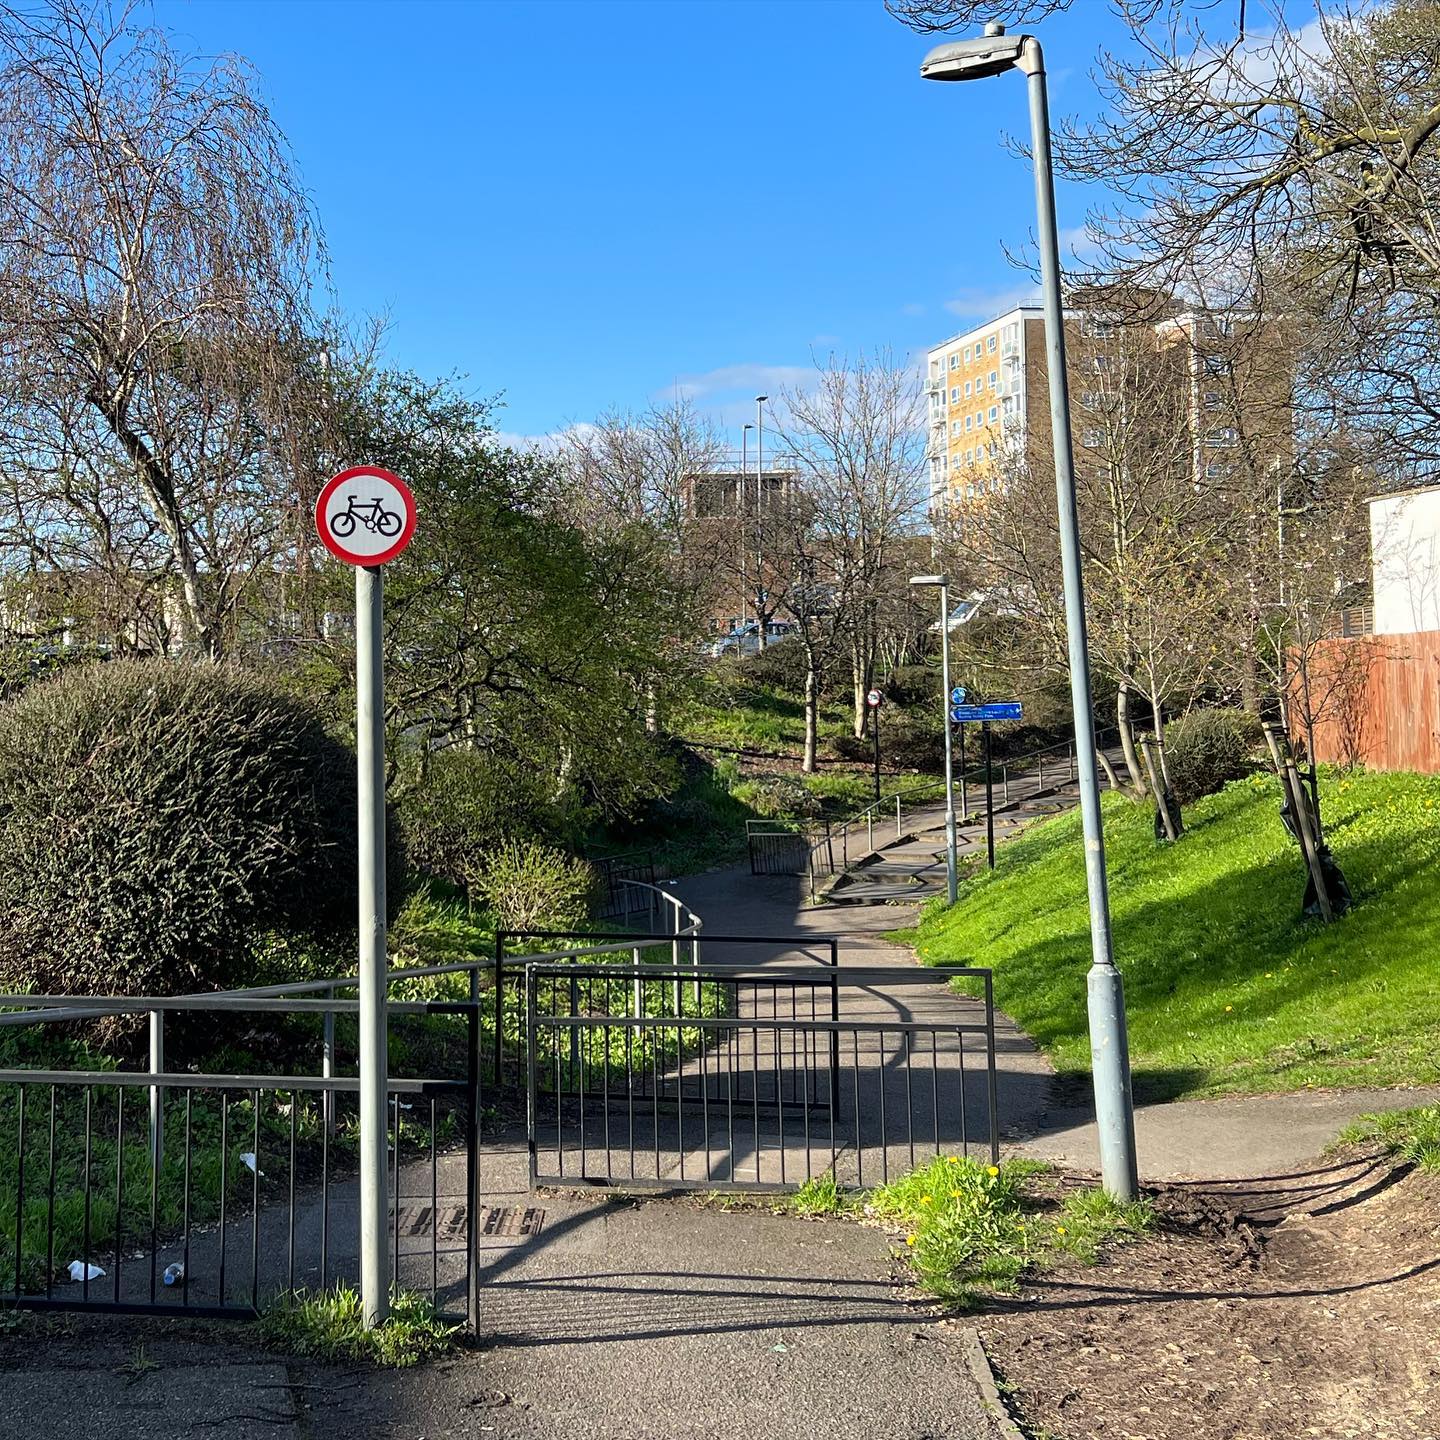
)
(860, 673)
(812, 711)
(1127, 740)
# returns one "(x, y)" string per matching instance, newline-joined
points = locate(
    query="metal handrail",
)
(867, 815)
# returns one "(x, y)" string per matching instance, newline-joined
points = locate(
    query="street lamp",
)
(740, 507)
(759, 502)
(951, 876)
(995, 53)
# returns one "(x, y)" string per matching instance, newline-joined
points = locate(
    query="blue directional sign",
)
(1001, 710)
(957, 695)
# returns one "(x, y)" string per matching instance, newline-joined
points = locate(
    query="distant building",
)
(989, 400)
(726, 510)
(1405, 560)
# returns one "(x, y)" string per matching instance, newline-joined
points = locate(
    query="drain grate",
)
(449, 1221)
(512, 1220)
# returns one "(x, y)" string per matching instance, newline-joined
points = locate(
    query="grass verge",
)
(972, 1228)
(329, 1325)
(1228, 988)
(1412, 1135)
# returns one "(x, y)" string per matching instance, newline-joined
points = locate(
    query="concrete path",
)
(1228, 1138)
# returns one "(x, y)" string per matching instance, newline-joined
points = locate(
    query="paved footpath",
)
(1230, 1138)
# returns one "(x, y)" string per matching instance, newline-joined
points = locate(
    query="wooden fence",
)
(1377, 701)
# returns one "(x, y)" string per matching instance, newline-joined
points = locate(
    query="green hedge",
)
(155, 818)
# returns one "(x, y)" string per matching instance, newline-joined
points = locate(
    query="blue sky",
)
(586, 205)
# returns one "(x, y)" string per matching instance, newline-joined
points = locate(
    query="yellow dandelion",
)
(955, 1194)
(992, 1169)
(909, 1239)
(953, 1159)
(924, 1199)
(1228, 1008)
(1059, 1229)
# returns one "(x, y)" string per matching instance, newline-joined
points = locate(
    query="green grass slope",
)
(1227, 987)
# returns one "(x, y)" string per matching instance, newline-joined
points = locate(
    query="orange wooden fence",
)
(1377, 701)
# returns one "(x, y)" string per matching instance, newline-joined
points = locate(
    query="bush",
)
(529, 886)
(779, 797)
(1207, 749)
(155, 818)
(779, 666)
(459, 809)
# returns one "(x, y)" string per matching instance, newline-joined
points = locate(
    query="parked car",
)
(746, 640)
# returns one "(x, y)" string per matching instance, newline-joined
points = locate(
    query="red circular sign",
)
(874, 699)
(365, 515)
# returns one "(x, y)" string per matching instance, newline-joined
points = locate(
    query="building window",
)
(994, 449)
(1213, 400)
(954, 362)
(1096, 328)
(1216, 365)
(1214, 470)
(969, 421)
(954, 394)
(955, 427)
(1092, 438)
(994, 379)
(967, 391)
(994, 413)
(1100, 364)
(991, 343)
(1225, 435)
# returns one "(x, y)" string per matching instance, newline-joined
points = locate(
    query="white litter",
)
(79, 1270)
(248, 1157)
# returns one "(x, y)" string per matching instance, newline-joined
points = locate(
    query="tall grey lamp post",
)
(951, 877)
(740, 509)
(993, 54)
(759, 507)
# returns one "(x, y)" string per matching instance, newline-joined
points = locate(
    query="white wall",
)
(1405, 561)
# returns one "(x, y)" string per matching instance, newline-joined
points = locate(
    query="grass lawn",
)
(1228, 989)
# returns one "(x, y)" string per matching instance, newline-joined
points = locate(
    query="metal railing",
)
(823, 849)
(190, 1231)
(775, 1079)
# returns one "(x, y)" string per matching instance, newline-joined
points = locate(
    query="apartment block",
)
(980, 386)
(1212, 387)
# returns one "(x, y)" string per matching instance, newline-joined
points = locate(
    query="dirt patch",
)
(1304, 1305)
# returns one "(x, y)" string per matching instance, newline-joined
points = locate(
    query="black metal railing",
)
(226, 1191)
(643, 948)
(767, 1080)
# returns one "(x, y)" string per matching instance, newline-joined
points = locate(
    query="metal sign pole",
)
(876, 710)
(989, 796)
(374, 1059)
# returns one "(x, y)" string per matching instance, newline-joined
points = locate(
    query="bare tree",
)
(154, 294)
(858, 441)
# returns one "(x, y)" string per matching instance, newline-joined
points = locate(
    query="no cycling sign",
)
(365, 516)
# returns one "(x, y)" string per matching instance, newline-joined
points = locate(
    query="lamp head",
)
(993, 53)
(761, 399)
(928, 580)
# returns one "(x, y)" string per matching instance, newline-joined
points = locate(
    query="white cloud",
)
(987, 304)
(729, 380)
(1076, 242)
(913, 310)
(517, 441)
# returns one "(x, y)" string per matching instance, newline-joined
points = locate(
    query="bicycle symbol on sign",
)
(372, 514)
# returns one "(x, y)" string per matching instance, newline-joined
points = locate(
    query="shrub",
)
(530, 886)
(1207, 749)
(154, 818)
(779, 666)
(460, 808)
(779, 797)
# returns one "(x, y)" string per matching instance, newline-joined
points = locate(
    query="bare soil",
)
(1307, 1304)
